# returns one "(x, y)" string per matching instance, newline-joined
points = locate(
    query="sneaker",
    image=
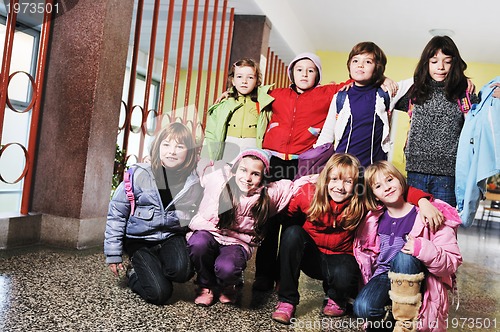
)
(332, 309)
(228, 295)
(283, 312)
(263, 284)
(205, 297)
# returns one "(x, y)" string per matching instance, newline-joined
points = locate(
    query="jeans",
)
(216, 264)
(157, 267)
(374, 296)
(340, 273)
(440, 186)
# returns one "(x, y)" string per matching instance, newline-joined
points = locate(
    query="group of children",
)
(345, 226)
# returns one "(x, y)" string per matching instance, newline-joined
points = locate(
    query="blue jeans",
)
(442, 187)
(298, 251)
(216, 264)
(374, 296)
(157, 267)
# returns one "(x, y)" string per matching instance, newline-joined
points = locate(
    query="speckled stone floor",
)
(47, 289)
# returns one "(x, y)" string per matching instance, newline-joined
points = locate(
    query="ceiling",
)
(399, 27)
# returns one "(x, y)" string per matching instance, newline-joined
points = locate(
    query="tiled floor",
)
(46, 289)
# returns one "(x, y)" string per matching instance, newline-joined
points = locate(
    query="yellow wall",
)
(398, 68)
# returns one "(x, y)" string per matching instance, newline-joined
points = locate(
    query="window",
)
(17, 120)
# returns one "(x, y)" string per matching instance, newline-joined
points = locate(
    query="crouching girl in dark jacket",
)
(149, 224)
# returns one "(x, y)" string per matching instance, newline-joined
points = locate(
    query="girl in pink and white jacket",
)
(399, 256)
(231, 222)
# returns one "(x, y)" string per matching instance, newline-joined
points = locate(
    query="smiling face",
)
(305, 73)
(249, 174)
(439, 66)
(340, 186)
(245, 79)
(361, 68)
(388, 189)
(172, 153)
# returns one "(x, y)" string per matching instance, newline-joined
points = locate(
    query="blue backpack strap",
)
(128, 179)
(341, 99)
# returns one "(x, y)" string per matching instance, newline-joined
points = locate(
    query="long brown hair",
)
(455, 82)
(258, 75)
(229, 203)
(347, 165)
(181, 134)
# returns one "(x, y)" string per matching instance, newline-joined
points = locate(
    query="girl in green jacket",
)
(239, 121)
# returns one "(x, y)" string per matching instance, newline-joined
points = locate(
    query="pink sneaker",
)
(332, 309)
(205, 297)
(283, 312)
(228, 295)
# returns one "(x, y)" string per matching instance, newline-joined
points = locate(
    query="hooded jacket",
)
(297, 118)
(214, 178)
(219, 116)
(439, 252)
(478, 154)
(151, 220)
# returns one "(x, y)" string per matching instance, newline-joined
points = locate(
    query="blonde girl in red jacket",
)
(322, 247)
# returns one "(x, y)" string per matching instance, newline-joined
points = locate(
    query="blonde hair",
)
(320, 205)
(371, 172)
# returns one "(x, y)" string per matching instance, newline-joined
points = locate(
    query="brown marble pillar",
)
(250, 38)
(79, 121)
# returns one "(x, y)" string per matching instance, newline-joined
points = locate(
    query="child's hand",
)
(390, 86)
(409, 247)
(430, 215)
(496, 92)
(346, 87)
(115, 268)
(203, 166)
(223, 96)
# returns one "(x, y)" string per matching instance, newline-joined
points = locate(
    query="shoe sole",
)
(281, 321)
(333, 315)
(203, 304)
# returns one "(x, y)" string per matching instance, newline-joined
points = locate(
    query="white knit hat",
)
(306, 55)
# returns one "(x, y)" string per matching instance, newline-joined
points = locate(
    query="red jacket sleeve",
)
(337, 86)
(414, 195)
(299, 205)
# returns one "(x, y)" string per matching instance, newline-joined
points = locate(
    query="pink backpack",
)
(128, 177)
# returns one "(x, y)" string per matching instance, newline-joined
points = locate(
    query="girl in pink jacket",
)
(231, 222)
(399, 257)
